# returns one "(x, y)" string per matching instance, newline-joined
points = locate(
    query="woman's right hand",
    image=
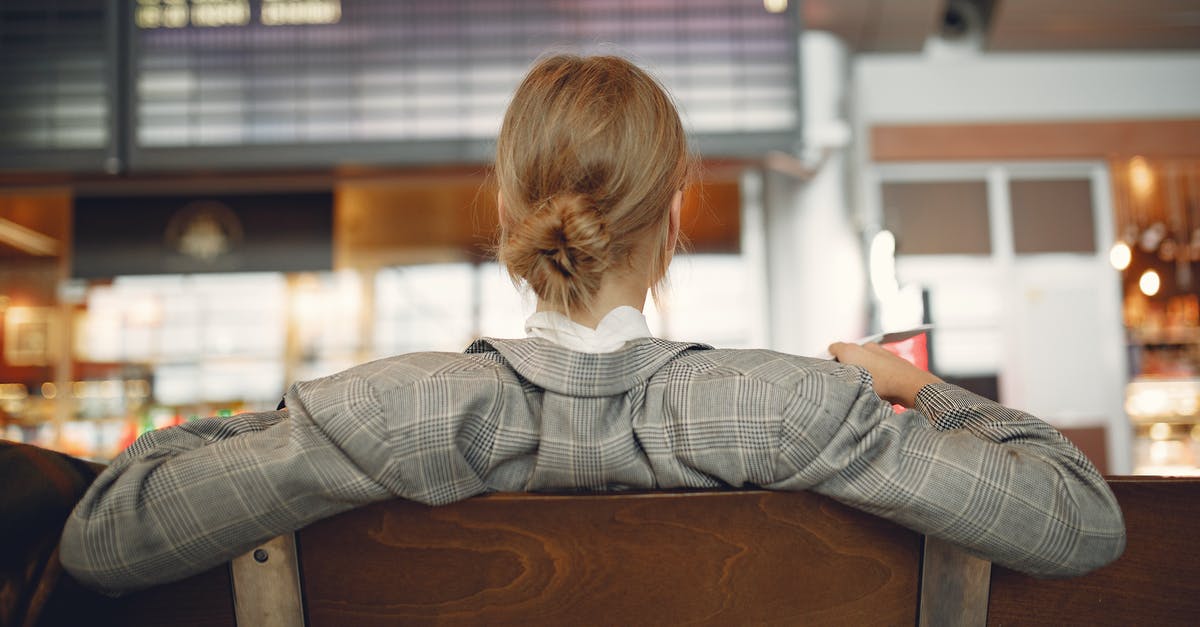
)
(895, 379)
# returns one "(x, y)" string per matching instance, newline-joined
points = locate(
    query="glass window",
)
(938, 218)
(1052, 216)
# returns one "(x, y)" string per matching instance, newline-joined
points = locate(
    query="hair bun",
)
(562, 249)
(574, 237)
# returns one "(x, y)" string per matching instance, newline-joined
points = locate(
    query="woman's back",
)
(591, 164)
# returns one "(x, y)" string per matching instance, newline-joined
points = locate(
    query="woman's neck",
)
(615, 291)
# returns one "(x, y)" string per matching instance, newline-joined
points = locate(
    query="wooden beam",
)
(1036, 140)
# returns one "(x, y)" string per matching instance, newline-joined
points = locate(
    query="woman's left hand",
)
(895, 379)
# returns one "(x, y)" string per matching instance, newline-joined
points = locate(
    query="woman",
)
(591, 160)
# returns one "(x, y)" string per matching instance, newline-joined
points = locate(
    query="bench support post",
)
(954, 587)
(266, 585)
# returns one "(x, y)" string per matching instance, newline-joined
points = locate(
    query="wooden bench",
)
(719, 558)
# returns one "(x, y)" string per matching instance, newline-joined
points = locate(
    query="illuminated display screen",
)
(214, 13)
(430, 80)
(151, 84)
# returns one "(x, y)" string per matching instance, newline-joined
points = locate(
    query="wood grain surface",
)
(1090, 139)
(697, 558)
(716, 558)
(1155, 582)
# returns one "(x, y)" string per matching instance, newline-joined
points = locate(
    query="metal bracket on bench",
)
(266, 585)
(954, 586)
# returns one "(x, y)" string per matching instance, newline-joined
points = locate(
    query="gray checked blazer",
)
(525, 415)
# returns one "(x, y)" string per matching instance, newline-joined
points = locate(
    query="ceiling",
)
(1014, 25)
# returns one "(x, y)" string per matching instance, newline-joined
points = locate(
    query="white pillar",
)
(816, 272)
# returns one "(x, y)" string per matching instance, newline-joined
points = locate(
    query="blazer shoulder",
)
(766, 366)
(409, 368)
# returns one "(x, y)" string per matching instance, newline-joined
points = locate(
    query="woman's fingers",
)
(894, 378)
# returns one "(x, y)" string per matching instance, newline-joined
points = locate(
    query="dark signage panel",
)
(135, 235)
(57, 74)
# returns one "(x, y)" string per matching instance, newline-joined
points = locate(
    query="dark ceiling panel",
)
(1016, 25)
(876, 25)
(1020, 25)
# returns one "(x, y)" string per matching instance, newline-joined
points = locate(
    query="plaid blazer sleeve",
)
(996, 481)
(187, 498)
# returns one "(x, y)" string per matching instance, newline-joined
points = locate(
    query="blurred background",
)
(203, 201)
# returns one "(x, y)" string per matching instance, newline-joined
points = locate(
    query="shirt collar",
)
(617, 327)
(563, 371)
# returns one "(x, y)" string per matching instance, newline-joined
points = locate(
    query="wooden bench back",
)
(1155, 582)
(716, 558)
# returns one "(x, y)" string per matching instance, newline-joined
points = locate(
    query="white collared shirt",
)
(617, 327)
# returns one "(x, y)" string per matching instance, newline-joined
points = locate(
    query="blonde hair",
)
(588, 160)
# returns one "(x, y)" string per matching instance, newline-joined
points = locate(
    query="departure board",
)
(315, 82)
(56, 82)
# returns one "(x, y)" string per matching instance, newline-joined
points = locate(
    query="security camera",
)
(965, 19)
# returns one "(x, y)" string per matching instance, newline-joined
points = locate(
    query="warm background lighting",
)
(775, 6)
(1141, 177)
(1149, 283)
(1120, 255)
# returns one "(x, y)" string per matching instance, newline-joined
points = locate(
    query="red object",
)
(914, 350)
(129, 433)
